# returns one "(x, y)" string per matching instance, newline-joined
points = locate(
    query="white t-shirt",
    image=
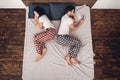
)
(66, 21)
(46, 22)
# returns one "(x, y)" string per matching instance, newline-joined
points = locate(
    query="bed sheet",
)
(53, 66)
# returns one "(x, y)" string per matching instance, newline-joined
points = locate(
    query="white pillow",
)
(83, 33)
(79, 7)
(78, 12)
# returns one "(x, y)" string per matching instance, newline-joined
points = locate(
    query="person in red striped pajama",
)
(49, 32)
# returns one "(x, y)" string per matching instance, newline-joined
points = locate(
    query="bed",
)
(53, 66)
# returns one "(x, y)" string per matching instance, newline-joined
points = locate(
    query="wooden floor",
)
(12, 31)
(106, 43)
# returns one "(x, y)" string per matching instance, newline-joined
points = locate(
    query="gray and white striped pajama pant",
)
(73, 43)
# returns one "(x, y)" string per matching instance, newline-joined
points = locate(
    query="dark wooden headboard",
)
(78, 2)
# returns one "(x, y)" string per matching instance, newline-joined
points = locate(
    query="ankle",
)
(73, 58)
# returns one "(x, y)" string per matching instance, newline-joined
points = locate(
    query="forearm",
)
(40, 26)
(36, 21)
(78, 25)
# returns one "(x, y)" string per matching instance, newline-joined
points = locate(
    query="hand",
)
(41, 27)
(83, 17)
(72, 12)
(36, 21)
(36, 15)
(74, 18)
(82, 20)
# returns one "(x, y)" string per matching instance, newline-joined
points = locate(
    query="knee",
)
(57, 40)
(36, 38)
(78, 42)
(53, 35)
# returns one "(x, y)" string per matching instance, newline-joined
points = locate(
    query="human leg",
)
(40, 39)
(74, 45)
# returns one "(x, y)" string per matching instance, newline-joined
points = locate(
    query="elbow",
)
(74, 28)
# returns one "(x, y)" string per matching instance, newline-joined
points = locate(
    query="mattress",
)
(53, 66)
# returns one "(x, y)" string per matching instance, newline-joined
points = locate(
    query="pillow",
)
(45, 6)
(79, 13)
(56, 23)
(83, 33)
(79, 7)
(57, 9)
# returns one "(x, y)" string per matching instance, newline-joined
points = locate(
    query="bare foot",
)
(44, 51)
(75, 61)
(67, 58)
(38, 57)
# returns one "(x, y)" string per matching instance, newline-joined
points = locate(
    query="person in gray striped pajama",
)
(65, 39)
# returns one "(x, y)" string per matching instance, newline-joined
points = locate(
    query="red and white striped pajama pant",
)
(42, 37)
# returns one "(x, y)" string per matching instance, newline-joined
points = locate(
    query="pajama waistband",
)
(50, 28)
(63, 35)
